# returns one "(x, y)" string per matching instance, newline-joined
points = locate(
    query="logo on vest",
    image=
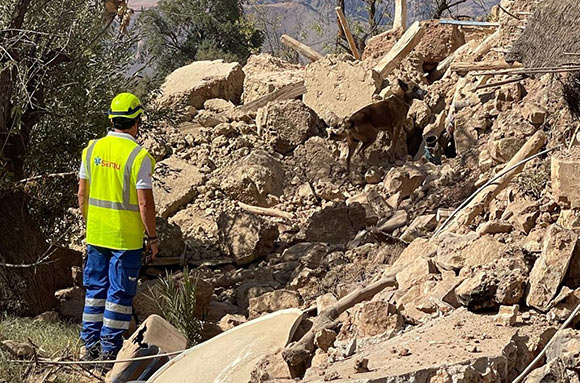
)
(107, 164)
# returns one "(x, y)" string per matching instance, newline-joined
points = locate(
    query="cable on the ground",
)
(82, 362)
(533, 363)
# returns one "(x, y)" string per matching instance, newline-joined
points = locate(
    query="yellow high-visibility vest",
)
(113, 219)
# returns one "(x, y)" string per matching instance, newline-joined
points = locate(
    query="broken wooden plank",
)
(486, 45)
(285, 93)
(400, 20)
(444, 65)
(469, 23)
(344, 25)
(303, 49)
(399, 51)
(471, 66)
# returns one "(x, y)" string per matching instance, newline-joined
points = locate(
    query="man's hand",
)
(151, 251)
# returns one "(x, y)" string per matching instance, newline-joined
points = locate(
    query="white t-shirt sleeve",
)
(144, 177)
(83, 171)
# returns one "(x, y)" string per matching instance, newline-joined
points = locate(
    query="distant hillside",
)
(314, 21)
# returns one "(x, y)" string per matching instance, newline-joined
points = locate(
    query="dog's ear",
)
(403, 85)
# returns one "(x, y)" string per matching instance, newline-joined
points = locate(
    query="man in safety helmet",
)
(116, 198)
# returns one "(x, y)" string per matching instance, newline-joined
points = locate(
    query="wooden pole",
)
(303, 49)
(344, 24)
(399, 51)
(469, 66)
(400, 15)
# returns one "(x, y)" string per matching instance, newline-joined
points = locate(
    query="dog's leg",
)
(394, 140)
(369, 141)
(352, 144)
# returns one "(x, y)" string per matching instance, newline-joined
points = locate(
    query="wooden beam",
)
(399, 51)
(471, 66)
(287, 92)
(344, 24)
(303, 49)
(400, 15)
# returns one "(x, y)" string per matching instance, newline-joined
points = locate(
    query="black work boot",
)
(106, 355)
(92, 353)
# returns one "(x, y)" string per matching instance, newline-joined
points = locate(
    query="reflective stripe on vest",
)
(126, 204)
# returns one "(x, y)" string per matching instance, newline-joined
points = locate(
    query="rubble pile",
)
(259, 201)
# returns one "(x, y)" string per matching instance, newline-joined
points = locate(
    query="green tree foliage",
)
(61, 62)
(178, 32)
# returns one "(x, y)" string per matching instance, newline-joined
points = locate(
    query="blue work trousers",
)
(110, 280)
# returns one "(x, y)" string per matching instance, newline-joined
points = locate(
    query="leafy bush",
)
(175, 299)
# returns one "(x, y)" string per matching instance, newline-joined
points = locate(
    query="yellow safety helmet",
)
(125, 105)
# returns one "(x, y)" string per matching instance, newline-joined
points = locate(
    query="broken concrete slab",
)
(246, 345)
(179, 185)
(339, 87)
(200, 81)
(246, 237)
(266, 74)
(153, 332)
(551, 267)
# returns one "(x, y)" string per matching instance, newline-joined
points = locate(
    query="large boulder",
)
(337, 87)
(458, 251)
(178, 186)
(71, 302)
(318, 159)
(336, 224)
(551, 267)
(246, 237)
(565, 178)
(500, 282)
(404, 180)
(266, 74)
(200, 81)
(256, 179)
(287, 124)
(171, 243)
(200, 232)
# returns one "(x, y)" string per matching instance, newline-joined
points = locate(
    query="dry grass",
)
(53, 341)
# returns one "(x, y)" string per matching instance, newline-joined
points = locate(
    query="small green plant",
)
(175, 299)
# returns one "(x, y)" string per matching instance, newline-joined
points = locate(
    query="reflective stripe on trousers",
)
(110, 279)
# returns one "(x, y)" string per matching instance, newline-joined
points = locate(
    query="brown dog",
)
(384, 116)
